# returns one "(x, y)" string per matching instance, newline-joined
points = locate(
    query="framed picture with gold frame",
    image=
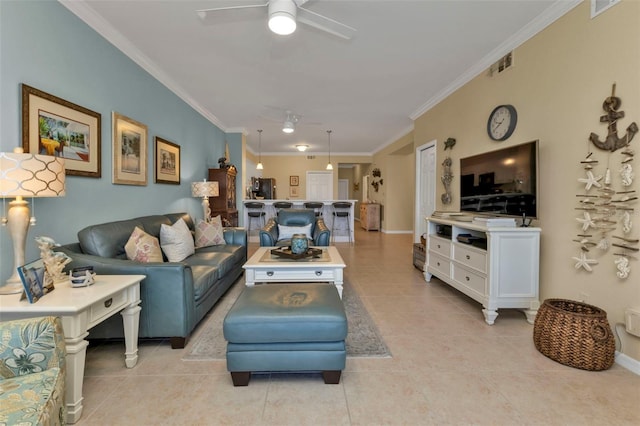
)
(129, 151)
(294, 181)
(293, 191)
(167, 162)
(54, 126)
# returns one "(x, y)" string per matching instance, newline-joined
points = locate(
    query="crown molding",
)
(102, 27)
(546, 18)
(394, 139)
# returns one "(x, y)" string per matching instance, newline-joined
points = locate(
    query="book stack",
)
(495, 222)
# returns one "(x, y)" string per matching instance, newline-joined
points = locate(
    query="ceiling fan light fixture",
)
(288, 126)
(282, 16)
(302, 147)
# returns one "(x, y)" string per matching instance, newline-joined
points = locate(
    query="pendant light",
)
(329, 165)
(259, 166)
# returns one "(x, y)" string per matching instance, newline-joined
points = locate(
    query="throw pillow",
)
(209, 233)
(286, 232)
(176, 241)
(142, 247)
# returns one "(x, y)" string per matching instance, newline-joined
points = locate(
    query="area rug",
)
(363, 339)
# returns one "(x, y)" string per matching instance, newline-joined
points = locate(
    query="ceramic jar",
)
(299, 243)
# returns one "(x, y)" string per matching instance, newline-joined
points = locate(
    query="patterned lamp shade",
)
(205, 189)
(31, 175)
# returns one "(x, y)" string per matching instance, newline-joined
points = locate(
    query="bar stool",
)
(255, 210)
(315, 206)
(341, 210)
(279, 205)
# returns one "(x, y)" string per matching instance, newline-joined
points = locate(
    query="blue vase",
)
(299, 243)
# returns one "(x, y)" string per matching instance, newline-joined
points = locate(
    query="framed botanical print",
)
(129, 151)
(294, 180)
(54, 126)
(167, 162)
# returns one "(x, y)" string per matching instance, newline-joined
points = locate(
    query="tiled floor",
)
(448, 368)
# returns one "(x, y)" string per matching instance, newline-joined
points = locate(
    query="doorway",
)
(343, 189)
(425, 187)
(319, 186)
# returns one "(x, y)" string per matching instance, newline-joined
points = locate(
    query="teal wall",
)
(44, 45)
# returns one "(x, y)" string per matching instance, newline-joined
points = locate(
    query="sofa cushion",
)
(176, 241)
(209, 233)
(143, 247)
(204, 277)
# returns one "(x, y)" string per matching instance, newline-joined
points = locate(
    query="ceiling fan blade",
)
(206, 14)
(325, 24)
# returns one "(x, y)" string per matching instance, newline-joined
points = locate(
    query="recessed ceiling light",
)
(302, 147)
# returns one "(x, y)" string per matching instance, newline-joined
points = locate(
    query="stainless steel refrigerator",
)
(264, 187)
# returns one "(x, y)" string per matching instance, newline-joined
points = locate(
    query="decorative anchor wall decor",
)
(606, 208)
(613, 142)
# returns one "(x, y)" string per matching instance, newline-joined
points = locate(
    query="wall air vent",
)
(599, 6)
(503, 64)
(311, 157)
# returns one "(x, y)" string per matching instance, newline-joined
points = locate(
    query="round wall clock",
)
(502, 122)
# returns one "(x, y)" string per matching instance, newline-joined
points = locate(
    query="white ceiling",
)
(403, 59)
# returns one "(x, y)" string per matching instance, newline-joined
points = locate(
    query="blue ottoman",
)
(286, 327)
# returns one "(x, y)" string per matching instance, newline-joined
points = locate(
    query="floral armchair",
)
(32, 372)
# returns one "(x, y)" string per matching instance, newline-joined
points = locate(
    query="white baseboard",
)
(627, 362)
(397, 232)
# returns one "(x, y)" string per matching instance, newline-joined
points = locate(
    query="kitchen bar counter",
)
(341, 233)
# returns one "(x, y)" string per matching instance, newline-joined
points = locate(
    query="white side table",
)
(81, 309)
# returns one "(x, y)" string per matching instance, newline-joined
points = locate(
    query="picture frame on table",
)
(294, 181)
(293, 191)
(34, 281)
(167, 162)
(129, 144)
(54, 126)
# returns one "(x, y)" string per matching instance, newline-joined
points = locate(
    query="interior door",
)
(343, 189)
(319, 186)
(425, 186)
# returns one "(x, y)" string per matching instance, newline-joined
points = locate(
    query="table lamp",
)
(205, 190)
(26, 175)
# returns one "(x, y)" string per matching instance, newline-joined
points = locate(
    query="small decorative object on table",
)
(33, 277)
(54, 262)
(286, 253)
(299, 243)
(82, 277)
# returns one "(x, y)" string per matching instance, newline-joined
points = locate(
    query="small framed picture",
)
(167, 162)
(34, 280)
(129, 151)
(294, 180)
(293, 191)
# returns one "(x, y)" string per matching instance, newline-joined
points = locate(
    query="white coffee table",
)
(81, 309)
(263, 267)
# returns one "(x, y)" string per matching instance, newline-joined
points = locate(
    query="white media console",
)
(499, 269)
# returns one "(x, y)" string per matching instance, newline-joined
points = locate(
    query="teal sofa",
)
(32, 372)
(175, 295)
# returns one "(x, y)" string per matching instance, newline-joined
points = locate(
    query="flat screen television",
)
(501, 182)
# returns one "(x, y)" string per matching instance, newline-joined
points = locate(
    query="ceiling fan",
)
(283, 15)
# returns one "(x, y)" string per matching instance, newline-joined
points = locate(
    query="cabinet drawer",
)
(474, 281)
(107, 306)
(438, 265)
(440, 246)
(470, 256)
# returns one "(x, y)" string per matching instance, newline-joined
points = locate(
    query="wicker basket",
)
(574, 334)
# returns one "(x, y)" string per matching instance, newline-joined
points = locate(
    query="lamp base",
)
(11, 288)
